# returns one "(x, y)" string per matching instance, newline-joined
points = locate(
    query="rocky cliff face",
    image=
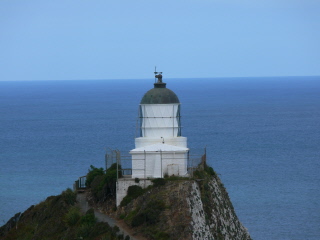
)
(185, 209)
(213, 216)
(173, 208)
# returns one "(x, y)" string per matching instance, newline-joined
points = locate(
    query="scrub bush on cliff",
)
(103, 185)
(93, 172)
(132, 193)
(149, 214)
(69, 196)
(73, 216)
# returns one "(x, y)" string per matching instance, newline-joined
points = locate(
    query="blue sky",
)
(102, 39)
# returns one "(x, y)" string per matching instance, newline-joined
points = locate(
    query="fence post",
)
(117, 166)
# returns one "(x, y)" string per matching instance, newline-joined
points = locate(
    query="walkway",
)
(101, 217)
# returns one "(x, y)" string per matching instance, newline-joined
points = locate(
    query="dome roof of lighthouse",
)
(159, 95)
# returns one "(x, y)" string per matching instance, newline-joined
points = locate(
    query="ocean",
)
(262, 137)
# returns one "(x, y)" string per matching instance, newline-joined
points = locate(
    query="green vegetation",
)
(132, 193)
(147, 216)
(69, 196)
(73, 216)
(58, 217)
(206, 175)
(103, 184)
(210, 171)
(136, 191)
(157, 182)
(92, 173)
(88, 219)
(150, 214)
(175, 178)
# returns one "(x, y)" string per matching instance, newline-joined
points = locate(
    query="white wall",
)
(156, 164)
(159, 120)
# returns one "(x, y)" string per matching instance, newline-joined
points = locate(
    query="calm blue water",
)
(262, 137)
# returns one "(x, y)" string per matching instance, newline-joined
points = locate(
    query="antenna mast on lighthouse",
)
(158, 75)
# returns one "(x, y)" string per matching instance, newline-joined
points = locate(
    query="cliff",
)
(58, 217)
(172, 208)
(185, 209)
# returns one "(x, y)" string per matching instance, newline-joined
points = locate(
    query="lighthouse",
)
(160, 150)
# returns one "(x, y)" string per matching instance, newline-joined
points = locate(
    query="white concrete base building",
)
(158, 160)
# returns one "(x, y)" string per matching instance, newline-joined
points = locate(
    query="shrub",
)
(84, 231)
(162, 236)
(89, 218)
(107, 236)
(133, 213)
(110, 179)
(97, 185)
(150, 215)
(93, 172)
(198, 174)
(132, 193)
(69, 196)
(153, 210)
(157, 182)
(135, 191)
(99, 229)
(114, 167)
(103, 185)
(210, 171)
(138, 220)
(72, 216)
(125, 201)
(115, 229)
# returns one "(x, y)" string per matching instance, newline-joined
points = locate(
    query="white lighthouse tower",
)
(160, 150)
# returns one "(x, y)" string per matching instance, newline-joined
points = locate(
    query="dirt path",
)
(101, 217)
